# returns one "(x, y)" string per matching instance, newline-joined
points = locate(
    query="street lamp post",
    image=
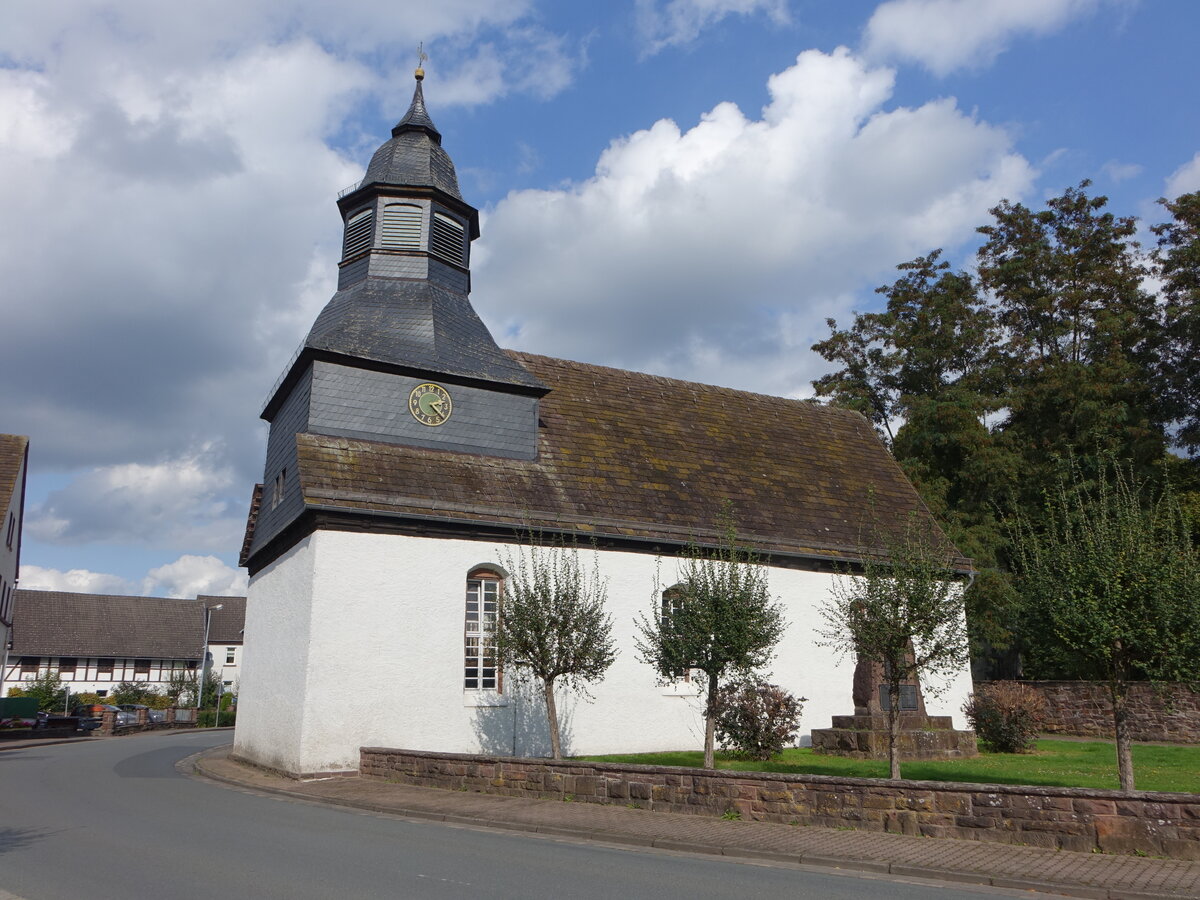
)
(208, 610)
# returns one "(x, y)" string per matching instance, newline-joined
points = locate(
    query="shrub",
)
(135, 692)
(207, 718)
(1006, 715)
(757, 720)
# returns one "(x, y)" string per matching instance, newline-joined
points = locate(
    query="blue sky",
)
(688, 187)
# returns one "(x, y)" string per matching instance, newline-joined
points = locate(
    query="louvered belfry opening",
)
(358, 233)
(401, 227)
(448, 239)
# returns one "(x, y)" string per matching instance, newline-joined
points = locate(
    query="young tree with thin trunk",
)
(1115, 574)
(718, 621)
(553, 624)
(903, 611)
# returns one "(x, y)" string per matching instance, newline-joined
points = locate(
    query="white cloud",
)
(181, 502)
(165, 228)
(945, 35)
(1119, 171)
(191, 575)
(1185, 179)
(716, 253)
(675, 22)
(77, 581)
(187, 576)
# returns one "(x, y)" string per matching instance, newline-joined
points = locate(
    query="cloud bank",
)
(716, 253)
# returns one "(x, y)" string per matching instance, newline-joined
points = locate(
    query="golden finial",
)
(421, 57)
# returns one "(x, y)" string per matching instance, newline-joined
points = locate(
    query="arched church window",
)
(448, 239)
(401, 227)
(358, 233)
(484, 588)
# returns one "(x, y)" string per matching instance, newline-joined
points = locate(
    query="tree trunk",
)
(710, 723)
(1120, 703)
(893, 730)
(552, 718)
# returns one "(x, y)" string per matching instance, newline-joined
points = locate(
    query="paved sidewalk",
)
(974, 862)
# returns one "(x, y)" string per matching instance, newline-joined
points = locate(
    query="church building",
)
(408, 458)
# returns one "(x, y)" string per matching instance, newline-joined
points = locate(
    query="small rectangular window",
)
(101, 693)
(66, 664)
(30, 665)
(104, 666)
(141, 667)
(12, 529)
(230, 655)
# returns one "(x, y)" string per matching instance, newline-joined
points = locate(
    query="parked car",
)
(152, 715)
(94, 713)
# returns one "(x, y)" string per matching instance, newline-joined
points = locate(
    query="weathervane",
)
(421, 57)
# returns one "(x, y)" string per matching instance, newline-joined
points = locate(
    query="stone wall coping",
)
(1160, 685)
(788, 777)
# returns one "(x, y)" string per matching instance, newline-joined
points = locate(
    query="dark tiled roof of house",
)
(627, 455)
(59, 623)
(12, 455)
(228, 621)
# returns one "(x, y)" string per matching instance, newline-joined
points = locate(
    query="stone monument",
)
(864, 735)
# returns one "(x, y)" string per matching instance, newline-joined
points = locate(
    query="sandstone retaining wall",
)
(1067, 818)
(1083, 708)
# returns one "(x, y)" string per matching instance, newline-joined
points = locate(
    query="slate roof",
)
(418, 325)
(12, 456)
(59, 623)
(414, 157)
(625, 455)
(227, 622)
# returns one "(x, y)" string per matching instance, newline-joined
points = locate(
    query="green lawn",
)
(1054, 763)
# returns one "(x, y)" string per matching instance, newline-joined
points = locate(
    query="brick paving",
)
(1104, 876)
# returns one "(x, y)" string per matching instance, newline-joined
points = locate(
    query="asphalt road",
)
(114, 819)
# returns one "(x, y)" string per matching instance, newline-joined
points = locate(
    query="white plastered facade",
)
(356, 640)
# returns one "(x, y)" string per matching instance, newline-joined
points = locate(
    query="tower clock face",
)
(430, 404)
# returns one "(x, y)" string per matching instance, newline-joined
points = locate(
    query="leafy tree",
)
(903, 610)
(1115, 572)
(180, 688)
(719, 621)
(553, 624)
(1178, 266)
(1082, 336)
(930, 363)
(135, 692)
(47, 687)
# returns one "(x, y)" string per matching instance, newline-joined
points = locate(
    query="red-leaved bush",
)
(1006, 715)
(757, 720)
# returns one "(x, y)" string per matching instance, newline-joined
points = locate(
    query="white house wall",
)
(272, 704)
(378, 660)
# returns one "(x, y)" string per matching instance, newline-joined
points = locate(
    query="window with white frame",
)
(482, 611)
(230, 655)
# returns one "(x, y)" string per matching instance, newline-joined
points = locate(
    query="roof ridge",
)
(683, 382)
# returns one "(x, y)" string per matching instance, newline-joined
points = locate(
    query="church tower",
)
(398, 355)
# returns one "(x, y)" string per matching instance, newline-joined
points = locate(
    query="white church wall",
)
(275, 661)
(382, 659)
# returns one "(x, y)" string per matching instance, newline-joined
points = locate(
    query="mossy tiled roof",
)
(628, 455)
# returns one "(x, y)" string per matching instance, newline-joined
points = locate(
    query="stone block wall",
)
(1160, 824)
(1083, 708)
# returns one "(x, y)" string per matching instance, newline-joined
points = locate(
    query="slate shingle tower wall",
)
(401, 317)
